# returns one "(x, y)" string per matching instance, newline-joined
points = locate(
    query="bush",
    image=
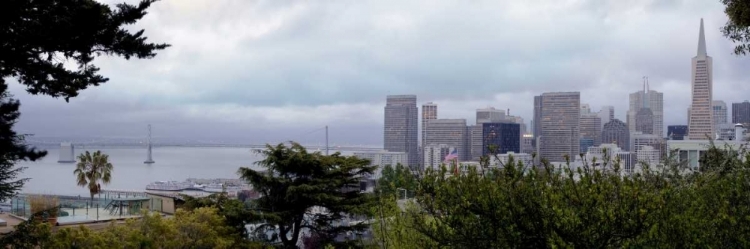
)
(43, 205)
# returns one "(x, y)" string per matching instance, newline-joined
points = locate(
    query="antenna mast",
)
(326, 140)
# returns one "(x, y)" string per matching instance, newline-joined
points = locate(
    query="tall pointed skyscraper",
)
(701, 125)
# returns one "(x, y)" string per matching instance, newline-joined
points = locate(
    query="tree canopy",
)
(37, 38)
(235, 213)
(308, 192)
(396, 181)
(737, 29)
(40, 41)
(12, 147)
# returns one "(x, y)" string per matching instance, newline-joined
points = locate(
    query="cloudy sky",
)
(268, 71)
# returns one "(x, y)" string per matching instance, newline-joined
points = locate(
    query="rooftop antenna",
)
(149, 159)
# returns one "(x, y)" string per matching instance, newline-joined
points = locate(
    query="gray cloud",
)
(262, 70)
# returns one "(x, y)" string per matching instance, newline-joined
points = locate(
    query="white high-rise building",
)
(649, 99)
(434, 155)
(605, 156)
(606, 114)
(585, 109)
(648, 155)
(701, 111)
(720, 112)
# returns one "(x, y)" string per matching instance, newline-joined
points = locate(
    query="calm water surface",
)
(172, 163)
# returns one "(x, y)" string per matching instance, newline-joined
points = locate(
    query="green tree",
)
(394, 228)
(308, 191)
(12, 147)
(236, 215)
(37, 40)
(737, 29)
(396, 180)
(91, 169)
(28, 234)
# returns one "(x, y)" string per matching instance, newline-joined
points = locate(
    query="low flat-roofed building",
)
(524, 158)
(690, 151)
(382, 159)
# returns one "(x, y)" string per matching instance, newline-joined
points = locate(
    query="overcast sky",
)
(267, 71)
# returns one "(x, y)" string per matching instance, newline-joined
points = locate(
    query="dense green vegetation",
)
(670, 206)
(200, 228)
(534, 206)
(397, 180)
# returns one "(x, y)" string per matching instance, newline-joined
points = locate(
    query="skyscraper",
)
(489, 115)
(591, 130)
(585, 109)
(720, 112)
(537, 129)
(741, 113)
(484, 115)
(475, 141)
(429, 112)
(616, 132)
(501, 138)
(652, 120)
(644, 121)
(701, 113)
(449, 132)
(400, 129)
(677, 132)
(606, 114)
(560, 125)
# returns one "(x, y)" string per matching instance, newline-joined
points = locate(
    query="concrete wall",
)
(162, 204)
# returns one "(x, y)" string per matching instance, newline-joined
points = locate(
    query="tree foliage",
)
(586, 207)
(37, 38)
(395, 229)
(39, 41)
(199, 228)
(236, 215)
(737, 28)
(309, 192)
(394, 180)
(12, 147)
(92, 169)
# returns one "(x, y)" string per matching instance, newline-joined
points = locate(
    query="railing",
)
(109, 205)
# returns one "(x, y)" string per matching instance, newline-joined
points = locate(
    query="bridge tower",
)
(149, 159)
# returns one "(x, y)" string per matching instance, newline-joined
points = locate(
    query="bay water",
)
(47, 176)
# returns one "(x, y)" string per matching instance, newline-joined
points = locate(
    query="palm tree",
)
(91, 169)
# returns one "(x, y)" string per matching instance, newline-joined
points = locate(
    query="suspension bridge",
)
(166, 142)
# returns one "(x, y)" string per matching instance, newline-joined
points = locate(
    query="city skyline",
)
(252, 81)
